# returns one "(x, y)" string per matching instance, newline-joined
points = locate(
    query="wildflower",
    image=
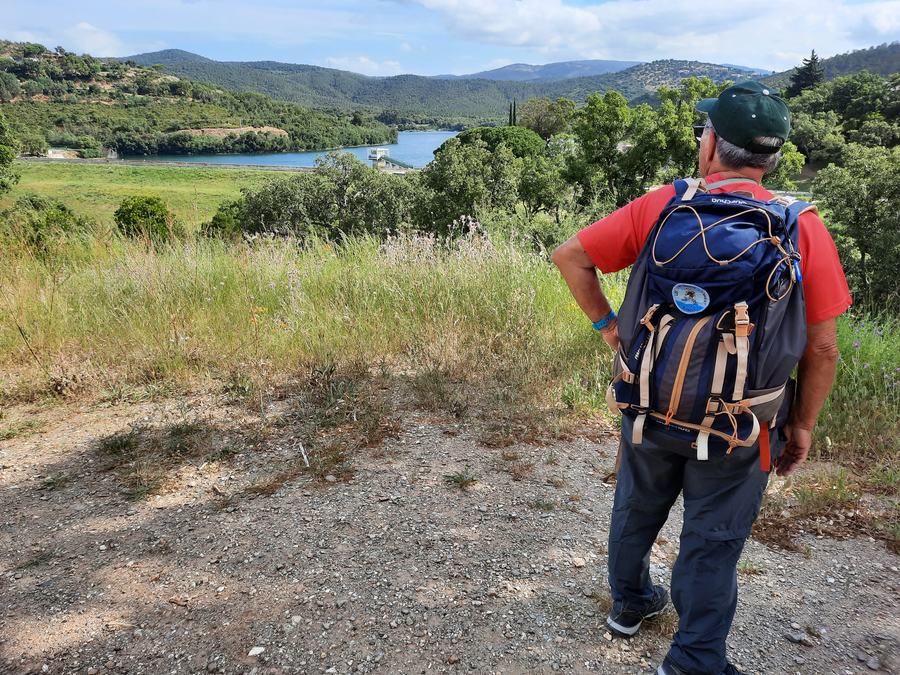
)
(856, 344)
(865, 366)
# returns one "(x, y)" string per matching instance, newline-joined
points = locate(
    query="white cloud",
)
(364, 64)
(88, 38)
(765, 33)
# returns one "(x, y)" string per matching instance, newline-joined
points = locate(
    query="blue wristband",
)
(605, 321)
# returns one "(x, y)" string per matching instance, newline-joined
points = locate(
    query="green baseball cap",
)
(746, 110)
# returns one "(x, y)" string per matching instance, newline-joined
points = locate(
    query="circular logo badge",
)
(690, 299)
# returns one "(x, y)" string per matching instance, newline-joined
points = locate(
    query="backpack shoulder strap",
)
(793, 210)
(686, 188)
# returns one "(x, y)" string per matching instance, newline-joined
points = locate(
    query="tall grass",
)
(478, 315)
(120, 309)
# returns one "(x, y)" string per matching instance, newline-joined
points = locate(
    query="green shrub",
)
(148, 217)
(226, 221)
(33, 144)
(38, 222)
(91, 153)
(521, 141)
(341, 197)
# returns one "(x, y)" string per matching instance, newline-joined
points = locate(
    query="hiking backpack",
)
(713, 322)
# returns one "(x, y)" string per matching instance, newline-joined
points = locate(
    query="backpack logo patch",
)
(689, 298)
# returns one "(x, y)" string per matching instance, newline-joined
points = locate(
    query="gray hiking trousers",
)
(722, 498)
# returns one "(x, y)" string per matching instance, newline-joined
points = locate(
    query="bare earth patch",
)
(193, 535)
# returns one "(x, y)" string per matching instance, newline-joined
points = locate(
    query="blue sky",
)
(428, 37)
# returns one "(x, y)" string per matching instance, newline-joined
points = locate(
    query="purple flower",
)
(865, 366)
(856, 344)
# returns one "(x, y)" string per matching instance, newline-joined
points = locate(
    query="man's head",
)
(746, 128)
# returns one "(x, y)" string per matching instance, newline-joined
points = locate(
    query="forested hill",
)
(882, 60)
(417, 96)
(58, 98)
(523, 72)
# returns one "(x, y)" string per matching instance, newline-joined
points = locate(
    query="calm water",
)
(412, 147)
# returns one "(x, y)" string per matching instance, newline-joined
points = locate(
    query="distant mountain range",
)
(526, 72)
(480, 96)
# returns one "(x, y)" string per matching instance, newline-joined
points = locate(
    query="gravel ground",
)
(394, 570)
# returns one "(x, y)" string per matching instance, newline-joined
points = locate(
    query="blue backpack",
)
(713, 322)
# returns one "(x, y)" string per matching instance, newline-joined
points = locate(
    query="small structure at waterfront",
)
(381, 159)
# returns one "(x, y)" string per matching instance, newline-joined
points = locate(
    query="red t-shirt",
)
(614, 242)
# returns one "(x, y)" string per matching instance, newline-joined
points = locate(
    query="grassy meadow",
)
(477, 325)
(96, 190)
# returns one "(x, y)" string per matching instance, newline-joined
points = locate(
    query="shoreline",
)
(185, 165)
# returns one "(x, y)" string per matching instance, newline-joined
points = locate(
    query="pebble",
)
(256, 651)
(873, 663)
(800, 639)
(579, 562)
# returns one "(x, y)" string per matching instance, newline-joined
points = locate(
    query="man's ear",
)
(711, 148)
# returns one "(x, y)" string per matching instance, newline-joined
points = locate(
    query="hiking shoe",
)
(668, 668)
(625, 622)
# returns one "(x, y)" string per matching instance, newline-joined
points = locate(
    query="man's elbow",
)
(822, 345)
(825, 352)
(559, 254)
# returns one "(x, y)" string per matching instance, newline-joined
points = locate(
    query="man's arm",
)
(580, 274)
(815, 375)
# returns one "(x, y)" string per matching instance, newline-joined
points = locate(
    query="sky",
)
(431, 37)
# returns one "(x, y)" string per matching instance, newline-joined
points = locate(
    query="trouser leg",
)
(648, 483)
(722, 498)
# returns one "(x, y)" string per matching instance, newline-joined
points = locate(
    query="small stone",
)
(873, 663)
(256, 651)
(330, 478)
(579, 562)
(829, 580)
(796, 638)
(607, 636)
(799, 660)
(795, 626)
(453, 659)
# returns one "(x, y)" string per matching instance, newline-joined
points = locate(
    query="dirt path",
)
(393, 571)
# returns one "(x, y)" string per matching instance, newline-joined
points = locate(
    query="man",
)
(747, 124)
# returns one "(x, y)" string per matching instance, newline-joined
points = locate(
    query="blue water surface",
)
(413, 147)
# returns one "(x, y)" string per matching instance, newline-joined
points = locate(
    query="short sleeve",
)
(614, 242)
(824, 284)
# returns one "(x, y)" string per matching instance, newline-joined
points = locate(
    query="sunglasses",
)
(698, 131)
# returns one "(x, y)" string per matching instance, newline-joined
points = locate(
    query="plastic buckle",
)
(742, 325)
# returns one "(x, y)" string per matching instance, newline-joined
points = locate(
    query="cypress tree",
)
(514, 117)
(808, 75)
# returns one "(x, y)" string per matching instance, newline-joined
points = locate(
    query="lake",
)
(412, 147)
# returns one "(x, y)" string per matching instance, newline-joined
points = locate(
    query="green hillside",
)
(882, 60)
(62, 99)
(407, 97)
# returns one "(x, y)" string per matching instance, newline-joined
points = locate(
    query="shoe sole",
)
(629, 631)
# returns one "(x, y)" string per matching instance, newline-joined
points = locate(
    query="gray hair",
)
(736, 158)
